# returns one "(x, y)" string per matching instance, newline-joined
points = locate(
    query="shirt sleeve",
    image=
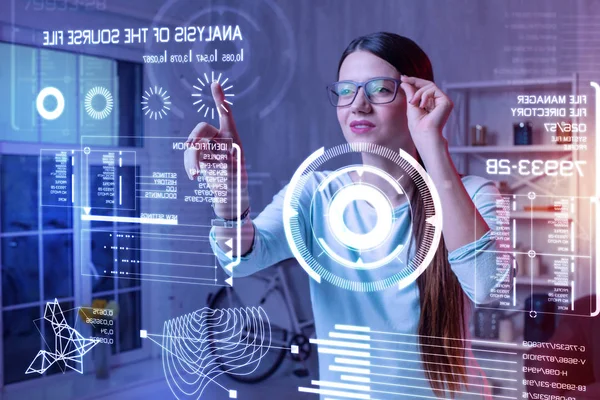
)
(474, 264)
(270, 244)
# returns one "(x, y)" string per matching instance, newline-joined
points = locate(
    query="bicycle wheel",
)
(229, 298)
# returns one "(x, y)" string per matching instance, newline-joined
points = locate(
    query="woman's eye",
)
(344, 92)
(380, 89)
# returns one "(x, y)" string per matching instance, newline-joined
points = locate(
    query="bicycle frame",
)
(297, 325)
(279, 281)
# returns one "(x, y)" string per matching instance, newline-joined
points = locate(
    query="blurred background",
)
(483, 54)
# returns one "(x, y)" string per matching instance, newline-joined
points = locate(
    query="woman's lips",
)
(361, 126)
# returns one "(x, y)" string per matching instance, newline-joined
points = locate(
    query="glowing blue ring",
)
(60, 103)
(380, 203)
(431, 208)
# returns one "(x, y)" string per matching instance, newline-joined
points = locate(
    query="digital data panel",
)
(134, 214)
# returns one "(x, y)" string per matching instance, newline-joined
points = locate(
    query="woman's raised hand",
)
(196, 157)
(427, 109)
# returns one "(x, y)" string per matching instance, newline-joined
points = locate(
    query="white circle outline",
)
(381, 205)
(301, 176)
(60, 103)
(361, 169)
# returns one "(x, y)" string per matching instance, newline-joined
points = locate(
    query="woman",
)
(385, 95)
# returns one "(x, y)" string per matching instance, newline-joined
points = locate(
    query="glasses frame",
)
(359, 85)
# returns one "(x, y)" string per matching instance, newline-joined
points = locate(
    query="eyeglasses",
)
(377, 91)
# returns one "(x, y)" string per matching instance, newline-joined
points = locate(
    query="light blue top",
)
(389, 310)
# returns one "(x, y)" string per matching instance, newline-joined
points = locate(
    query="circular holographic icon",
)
(155, 102)
(209, 105)
(94, 111)
(60, 103)
(346, 251)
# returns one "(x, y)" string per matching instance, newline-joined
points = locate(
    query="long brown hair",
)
(441, 322)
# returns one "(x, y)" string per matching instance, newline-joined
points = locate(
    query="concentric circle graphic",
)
(360, 241)
(60, 103)
(372, 259)
(108, 102)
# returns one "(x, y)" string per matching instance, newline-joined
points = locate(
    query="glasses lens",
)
(381, 90)
(342, 93)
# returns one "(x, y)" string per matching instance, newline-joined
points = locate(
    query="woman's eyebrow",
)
(363, 80)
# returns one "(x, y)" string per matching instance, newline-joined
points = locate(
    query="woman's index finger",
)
(417, 82)
(226, 122)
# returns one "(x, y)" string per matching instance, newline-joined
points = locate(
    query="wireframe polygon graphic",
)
(69, 345)
(200, 346)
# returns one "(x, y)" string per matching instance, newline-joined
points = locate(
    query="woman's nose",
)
(360, 103)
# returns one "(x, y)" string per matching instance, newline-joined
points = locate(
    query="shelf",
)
(513, 83)
(532, 148)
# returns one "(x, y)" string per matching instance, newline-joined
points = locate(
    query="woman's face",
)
(383, 124)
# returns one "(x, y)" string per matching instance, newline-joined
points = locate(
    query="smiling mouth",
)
(361, 127)
(361, 123)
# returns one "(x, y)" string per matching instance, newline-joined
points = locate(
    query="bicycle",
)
(271, 292)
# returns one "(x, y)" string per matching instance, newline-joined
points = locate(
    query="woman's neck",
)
(392, 169)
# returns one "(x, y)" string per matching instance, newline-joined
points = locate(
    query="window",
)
(37, 262)
(29, 70)
(126, 292)
(38, 242)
